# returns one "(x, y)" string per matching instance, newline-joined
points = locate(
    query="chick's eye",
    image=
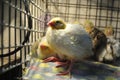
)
(58, 22)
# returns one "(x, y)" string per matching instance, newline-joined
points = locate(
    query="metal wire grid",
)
(13, 28)
(101, 12)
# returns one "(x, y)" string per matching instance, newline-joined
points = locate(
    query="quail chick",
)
(113, 45)
(99, 40)
(41, 49)
(70, 41)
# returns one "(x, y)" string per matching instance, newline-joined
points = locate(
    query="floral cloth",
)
(86, 70)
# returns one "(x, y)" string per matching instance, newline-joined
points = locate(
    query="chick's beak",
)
(51, 24)
(43, 47)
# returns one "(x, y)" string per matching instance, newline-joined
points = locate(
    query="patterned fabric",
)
(38, 70)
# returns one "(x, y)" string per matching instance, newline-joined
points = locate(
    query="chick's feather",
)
(72, 42)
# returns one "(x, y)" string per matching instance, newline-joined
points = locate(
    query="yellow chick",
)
(98, 38)
(70, 41)
(41, 49)
(88, 25)
(109, 32)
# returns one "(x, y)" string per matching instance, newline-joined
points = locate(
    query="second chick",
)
(99, 40)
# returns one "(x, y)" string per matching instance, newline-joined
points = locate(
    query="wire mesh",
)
(101, 12)
(14, 22)
(14, 25)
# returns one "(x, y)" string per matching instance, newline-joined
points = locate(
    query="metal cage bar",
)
(101, 13)
(13, 29)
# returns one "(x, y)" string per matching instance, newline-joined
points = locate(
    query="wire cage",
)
(101, 13)
(17, 33)
(22, 22)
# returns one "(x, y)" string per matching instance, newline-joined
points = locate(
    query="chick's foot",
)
(61, 63)
(63, 73)
(68, 71)
(51, 59)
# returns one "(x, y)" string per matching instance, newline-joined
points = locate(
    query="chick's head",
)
(45, 51)
(57, 23)
(45, 47)
(88, 25)
(109, 31)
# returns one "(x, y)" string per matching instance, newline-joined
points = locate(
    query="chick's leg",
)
(62, 63)
(51, 59)
(70, 64)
